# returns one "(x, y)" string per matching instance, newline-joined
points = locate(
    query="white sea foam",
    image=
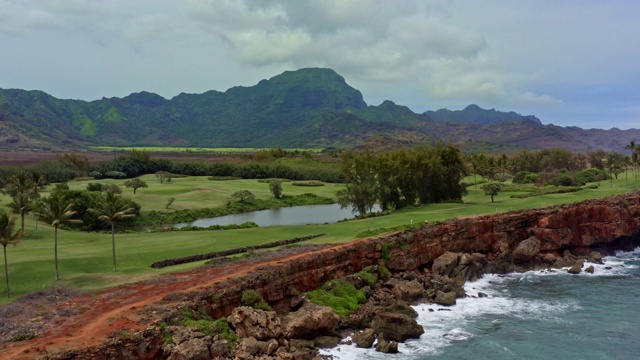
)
(445, 326)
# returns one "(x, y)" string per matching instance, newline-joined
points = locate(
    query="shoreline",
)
(438, 254)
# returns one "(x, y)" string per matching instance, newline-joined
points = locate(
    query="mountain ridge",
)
(312, 107)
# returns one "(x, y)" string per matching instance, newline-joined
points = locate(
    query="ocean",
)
(532, 315)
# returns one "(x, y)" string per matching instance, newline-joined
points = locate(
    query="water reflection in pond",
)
(295, 215)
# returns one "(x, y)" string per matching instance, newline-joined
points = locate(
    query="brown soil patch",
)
(91, 318)
(203, 190)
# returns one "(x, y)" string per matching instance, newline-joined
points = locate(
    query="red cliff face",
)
(575, 227)
(608, 223)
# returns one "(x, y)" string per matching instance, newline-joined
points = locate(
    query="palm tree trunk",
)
(6, 271)
(55, 250)
(22, 218)
(113, 244)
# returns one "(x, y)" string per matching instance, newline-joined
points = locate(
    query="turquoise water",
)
(534, 315)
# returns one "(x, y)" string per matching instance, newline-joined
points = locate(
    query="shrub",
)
(339, 295)
(254, 299)
(367, 276)
(223, 178)
(268, 180)
(307, 183)
(524, 177)
(95, 174)
(95, 186)
(385, 250)
(115, 175)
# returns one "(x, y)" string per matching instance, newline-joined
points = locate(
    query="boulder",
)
(402, 307)
(396, 327)
(365, 338)
(386, 346)
(526, 250)
(445, 263)
(590, 269)
(549, 258)
(408, 290)
(445, 298)
(192, 349)
(595, 257)
(308, 322)
(250, 348)
(220, 349)
(260, 324)
(326, 342)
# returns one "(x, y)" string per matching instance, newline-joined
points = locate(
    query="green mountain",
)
(304, 108)
(473, 114)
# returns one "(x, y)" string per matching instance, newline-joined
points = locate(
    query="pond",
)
(295, 215)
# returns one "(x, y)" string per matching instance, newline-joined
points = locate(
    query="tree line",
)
(61, 208)
(402, 178)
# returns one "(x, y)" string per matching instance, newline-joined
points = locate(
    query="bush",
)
(367, 276)
(339, 295)
(307, 183)
(95, 174)
(563, 180)
(254, 299)
(95, 187)
(115, 175)
(223, 178)
(524, 177)
(268, 180)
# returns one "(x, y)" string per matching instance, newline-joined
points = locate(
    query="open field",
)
(195, 192)
(85, 258)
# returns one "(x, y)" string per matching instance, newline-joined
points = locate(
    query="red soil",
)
(131, 307)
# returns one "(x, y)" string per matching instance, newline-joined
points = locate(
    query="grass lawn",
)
(85, 258)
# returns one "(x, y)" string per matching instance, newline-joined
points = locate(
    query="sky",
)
(568, 62)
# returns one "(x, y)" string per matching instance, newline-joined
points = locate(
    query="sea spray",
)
(535, 315)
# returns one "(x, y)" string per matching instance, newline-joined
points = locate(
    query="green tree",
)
(275, 187)
(163, 176)
(492, 189)
(244, 196)
(19, 183)
(8, 237)
(22, 204)
(135, 184)
(111, 208)
(38, 183)
(56, 210)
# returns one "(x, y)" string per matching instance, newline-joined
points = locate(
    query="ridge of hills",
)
(310, 107)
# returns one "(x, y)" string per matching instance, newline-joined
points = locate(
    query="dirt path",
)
(131, 307)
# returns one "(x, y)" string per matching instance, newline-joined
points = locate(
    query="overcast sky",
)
(570, 63)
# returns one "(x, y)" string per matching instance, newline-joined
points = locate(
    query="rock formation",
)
(431, 263)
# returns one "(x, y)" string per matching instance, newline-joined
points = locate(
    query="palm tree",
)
(19, 183)
(38, 182)
(7, 236)
(111, 208)
(56, 210)
(22, 204)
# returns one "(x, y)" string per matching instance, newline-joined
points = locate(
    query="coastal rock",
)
(577, 267)
(326, 342)
(386, 346)
(526, 250)
(250, 322)
(220, 349)
(396, 327)
(590, 269)
(250, 348)
(308, 322)
(365, 338)
(445, 263)
(193, 349)
(445, 298)
(409, 291)
(595, 257)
